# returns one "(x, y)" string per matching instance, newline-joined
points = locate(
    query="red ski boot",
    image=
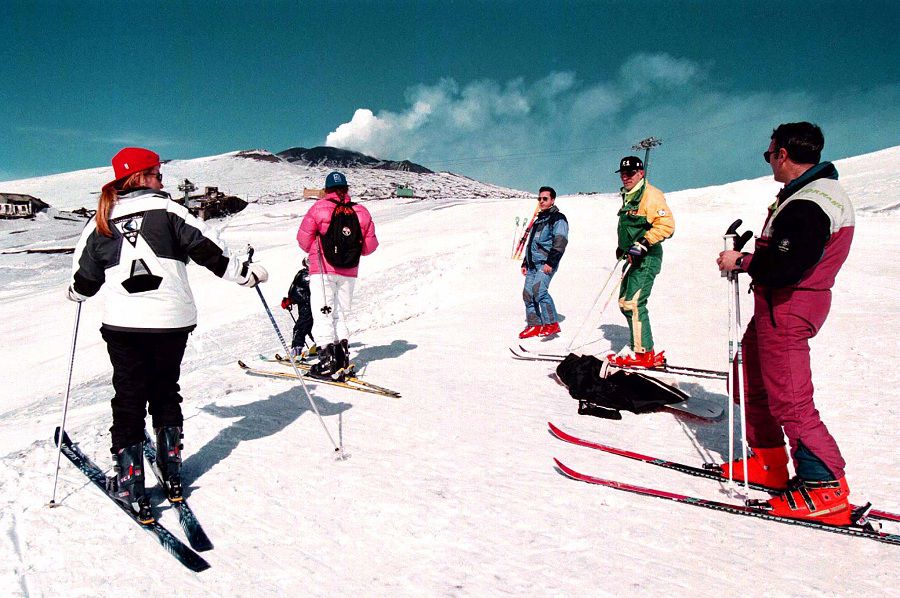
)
(530, 331)
(827, 502)
(548, 329)
(766, 466)
(649, 359)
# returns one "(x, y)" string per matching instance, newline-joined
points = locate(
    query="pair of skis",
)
(864, 517)
(351, 382)
(189, 523)
(519, 249)
(524, 354)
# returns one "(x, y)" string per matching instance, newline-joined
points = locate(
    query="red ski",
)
(860, 531)
(700, 472)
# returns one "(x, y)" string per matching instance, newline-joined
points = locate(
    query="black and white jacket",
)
(144, 264)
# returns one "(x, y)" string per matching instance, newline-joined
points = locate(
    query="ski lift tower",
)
(187, 187)
(647, 144)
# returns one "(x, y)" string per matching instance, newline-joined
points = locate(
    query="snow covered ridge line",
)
(258, 175)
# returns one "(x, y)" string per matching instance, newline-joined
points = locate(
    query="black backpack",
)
(342, 242)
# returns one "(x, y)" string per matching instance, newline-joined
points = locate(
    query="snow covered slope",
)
(450, 490)
(256, 175)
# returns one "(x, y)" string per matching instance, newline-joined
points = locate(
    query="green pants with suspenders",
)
(633, 296)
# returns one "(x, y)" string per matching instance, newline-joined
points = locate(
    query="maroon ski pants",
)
(778, 380)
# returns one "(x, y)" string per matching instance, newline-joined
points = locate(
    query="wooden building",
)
(18, 205)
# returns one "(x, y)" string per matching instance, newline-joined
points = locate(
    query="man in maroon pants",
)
(804, 243)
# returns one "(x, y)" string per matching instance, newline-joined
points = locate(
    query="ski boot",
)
(127, 483)
(824, 501)
(766, 466)
(168, 460)
(344, 350)
(530, 331)
(648, 359)
(549, 329)
(330, 364)
(302, 353)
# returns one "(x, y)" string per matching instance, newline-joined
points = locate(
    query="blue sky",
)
(515, 93)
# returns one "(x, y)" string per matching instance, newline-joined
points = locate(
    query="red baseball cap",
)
(130, 160)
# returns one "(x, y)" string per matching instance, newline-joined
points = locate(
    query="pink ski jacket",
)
(316, 222)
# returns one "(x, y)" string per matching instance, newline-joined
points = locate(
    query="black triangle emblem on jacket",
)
(131, 228)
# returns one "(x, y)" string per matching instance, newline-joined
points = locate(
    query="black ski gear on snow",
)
(126, 485)
(299, 295)
(168, 460)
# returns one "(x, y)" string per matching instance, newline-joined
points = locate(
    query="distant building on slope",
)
(18, 205)
(403, 191)
(212, 203)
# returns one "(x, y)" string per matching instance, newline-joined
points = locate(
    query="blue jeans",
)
(539, 307)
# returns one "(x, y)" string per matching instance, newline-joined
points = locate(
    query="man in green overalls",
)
(644, 222)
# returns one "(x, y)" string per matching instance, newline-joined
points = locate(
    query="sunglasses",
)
(769, 153)
(545, 199)
(157, 175)
(629, 173)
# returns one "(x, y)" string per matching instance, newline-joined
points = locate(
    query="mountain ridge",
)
(334, 157)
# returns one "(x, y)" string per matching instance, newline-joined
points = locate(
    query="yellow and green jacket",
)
(644, 214)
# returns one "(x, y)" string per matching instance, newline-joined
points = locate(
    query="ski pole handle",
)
(728, 239)
(732, 230)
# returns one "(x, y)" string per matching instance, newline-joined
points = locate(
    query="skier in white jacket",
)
(138, 245)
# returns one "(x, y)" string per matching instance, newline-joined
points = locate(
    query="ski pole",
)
(339, 450)
(739, 242)
(612, 294)
(735, 379)
(728, 242)
(62, 427)
(594, 304)
(739, 358)
(326, 309)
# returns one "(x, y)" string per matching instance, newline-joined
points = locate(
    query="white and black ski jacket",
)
(144, 263)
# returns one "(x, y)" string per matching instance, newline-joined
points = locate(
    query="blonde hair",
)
(110, 195)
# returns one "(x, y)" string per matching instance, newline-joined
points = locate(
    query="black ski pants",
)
(302, 328)
(146, 368)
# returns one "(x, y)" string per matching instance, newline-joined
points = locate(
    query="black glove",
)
(619, 253)
(637, 252)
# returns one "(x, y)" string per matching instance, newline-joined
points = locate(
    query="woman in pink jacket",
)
(333, 267)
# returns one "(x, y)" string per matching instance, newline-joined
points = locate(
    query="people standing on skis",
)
(645, 221)
(805, 241)
(546, 245)
(139, 244)
(333, 267)
(298, 294)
